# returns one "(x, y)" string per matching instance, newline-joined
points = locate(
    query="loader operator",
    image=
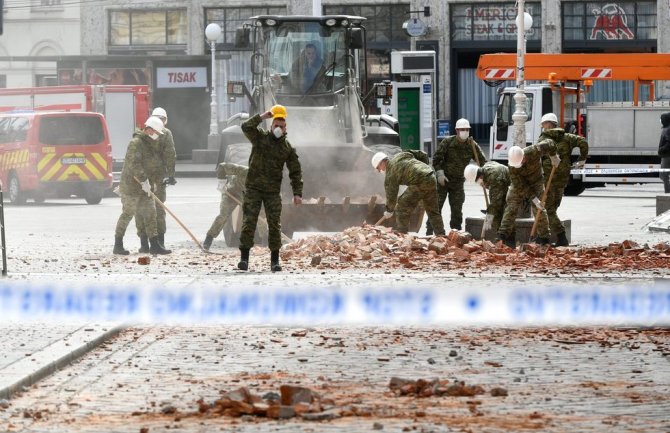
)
(306, 68)
(494, 177)
(527, 183)
(405, 169)
(232, 178)
(161, 173)
(270, 151)
(565, 143)
(452, 156)
(135, 188)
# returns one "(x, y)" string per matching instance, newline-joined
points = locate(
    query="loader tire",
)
(238, 153)
(388, 149)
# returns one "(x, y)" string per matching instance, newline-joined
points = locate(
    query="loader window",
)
(71, 130)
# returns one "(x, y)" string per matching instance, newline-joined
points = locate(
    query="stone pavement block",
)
(662, 203)
(48, 349)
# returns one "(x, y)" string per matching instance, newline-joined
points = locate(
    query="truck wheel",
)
(38, 197)
(574, 188)
(94, 195)
(16, 196)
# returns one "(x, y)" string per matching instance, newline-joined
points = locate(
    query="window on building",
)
(491, 21)
(42, 80)
(147, 28)
(46, 5)
(584, 21)
(3, 81)
(230, 19)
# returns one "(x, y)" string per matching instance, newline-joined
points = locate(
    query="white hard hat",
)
(549, 117)
(160, 112)
(377, 158)
(462, 124)
(470, 172)
(515, 156)
(155, 123)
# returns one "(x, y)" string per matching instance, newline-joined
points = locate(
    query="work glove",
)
(387, 214)
(441, 178)
(538, 203)
(579, 165)
(146, 187)
(488, 222)
(555, 160)
(222, 185)
(169, 181)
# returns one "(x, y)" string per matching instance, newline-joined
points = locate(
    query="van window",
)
(57, 130)
(13, 129)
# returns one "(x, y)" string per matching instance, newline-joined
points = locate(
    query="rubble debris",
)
(374, 247)
(143, 260)
(433, 387)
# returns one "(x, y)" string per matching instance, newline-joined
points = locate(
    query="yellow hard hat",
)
(278, 111)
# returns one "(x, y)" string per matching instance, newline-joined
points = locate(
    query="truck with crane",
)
(622, 136)
(327, 123)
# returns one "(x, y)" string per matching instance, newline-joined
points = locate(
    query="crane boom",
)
(638, 67)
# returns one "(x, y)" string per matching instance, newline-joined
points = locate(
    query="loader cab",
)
(304, 60)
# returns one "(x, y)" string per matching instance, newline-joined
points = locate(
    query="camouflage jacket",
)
(497, 180)
(453, 156)
(403, 169)
(267, 159)
(237, 177)
(526, 178)
(168, 152)
(142, 153)
(565, 143)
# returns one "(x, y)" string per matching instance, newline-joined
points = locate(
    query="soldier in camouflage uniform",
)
(494, 177)
(565, 143)
(527, 183)
(270, 151)
(161, 173)
(405, 169)
(452, 156)
(237, 177)
(142, 151)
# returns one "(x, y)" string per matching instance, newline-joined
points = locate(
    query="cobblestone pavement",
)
(565, 379)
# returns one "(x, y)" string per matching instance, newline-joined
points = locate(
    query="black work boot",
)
(207, 243)
(562, 240)
(161, 239)
(118, 247)
(274, 261)
(429, 229)
(508, 240)
(144, 244)
(541, 241)
(243, 265)
(156, 246)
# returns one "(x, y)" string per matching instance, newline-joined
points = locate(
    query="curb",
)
(52, 358)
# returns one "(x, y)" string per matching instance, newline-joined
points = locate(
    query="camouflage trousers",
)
(554, 198)
(516, 199)
(456, 194)
(226, 209)
(142, 208)
(159, 191)
(253, 200)
(426, 193)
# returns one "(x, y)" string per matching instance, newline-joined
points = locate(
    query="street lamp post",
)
(212, 33)
(523, 21)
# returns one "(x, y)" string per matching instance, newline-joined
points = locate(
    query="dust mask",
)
(154, 136)
(277, 132)
(463, 135)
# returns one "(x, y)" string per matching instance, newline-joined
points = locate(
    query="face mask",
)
(277, 132)
(154, 136)
(463, 135)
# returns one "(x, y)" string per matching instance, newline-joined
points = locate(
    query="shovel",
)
(544, 199)
(197, 242)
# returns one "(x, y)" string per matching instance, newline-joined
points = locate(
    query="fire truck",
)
(623, 136)
(124, 106)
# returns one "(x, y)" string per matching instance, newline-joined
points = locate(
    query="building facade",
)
(128, 42)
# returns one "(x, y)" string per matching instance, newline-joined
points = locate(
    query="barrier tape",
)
(383, 305)
(618, 170)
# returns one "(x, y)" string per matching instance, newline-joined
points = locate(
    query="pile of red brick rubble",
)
(375, 247)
